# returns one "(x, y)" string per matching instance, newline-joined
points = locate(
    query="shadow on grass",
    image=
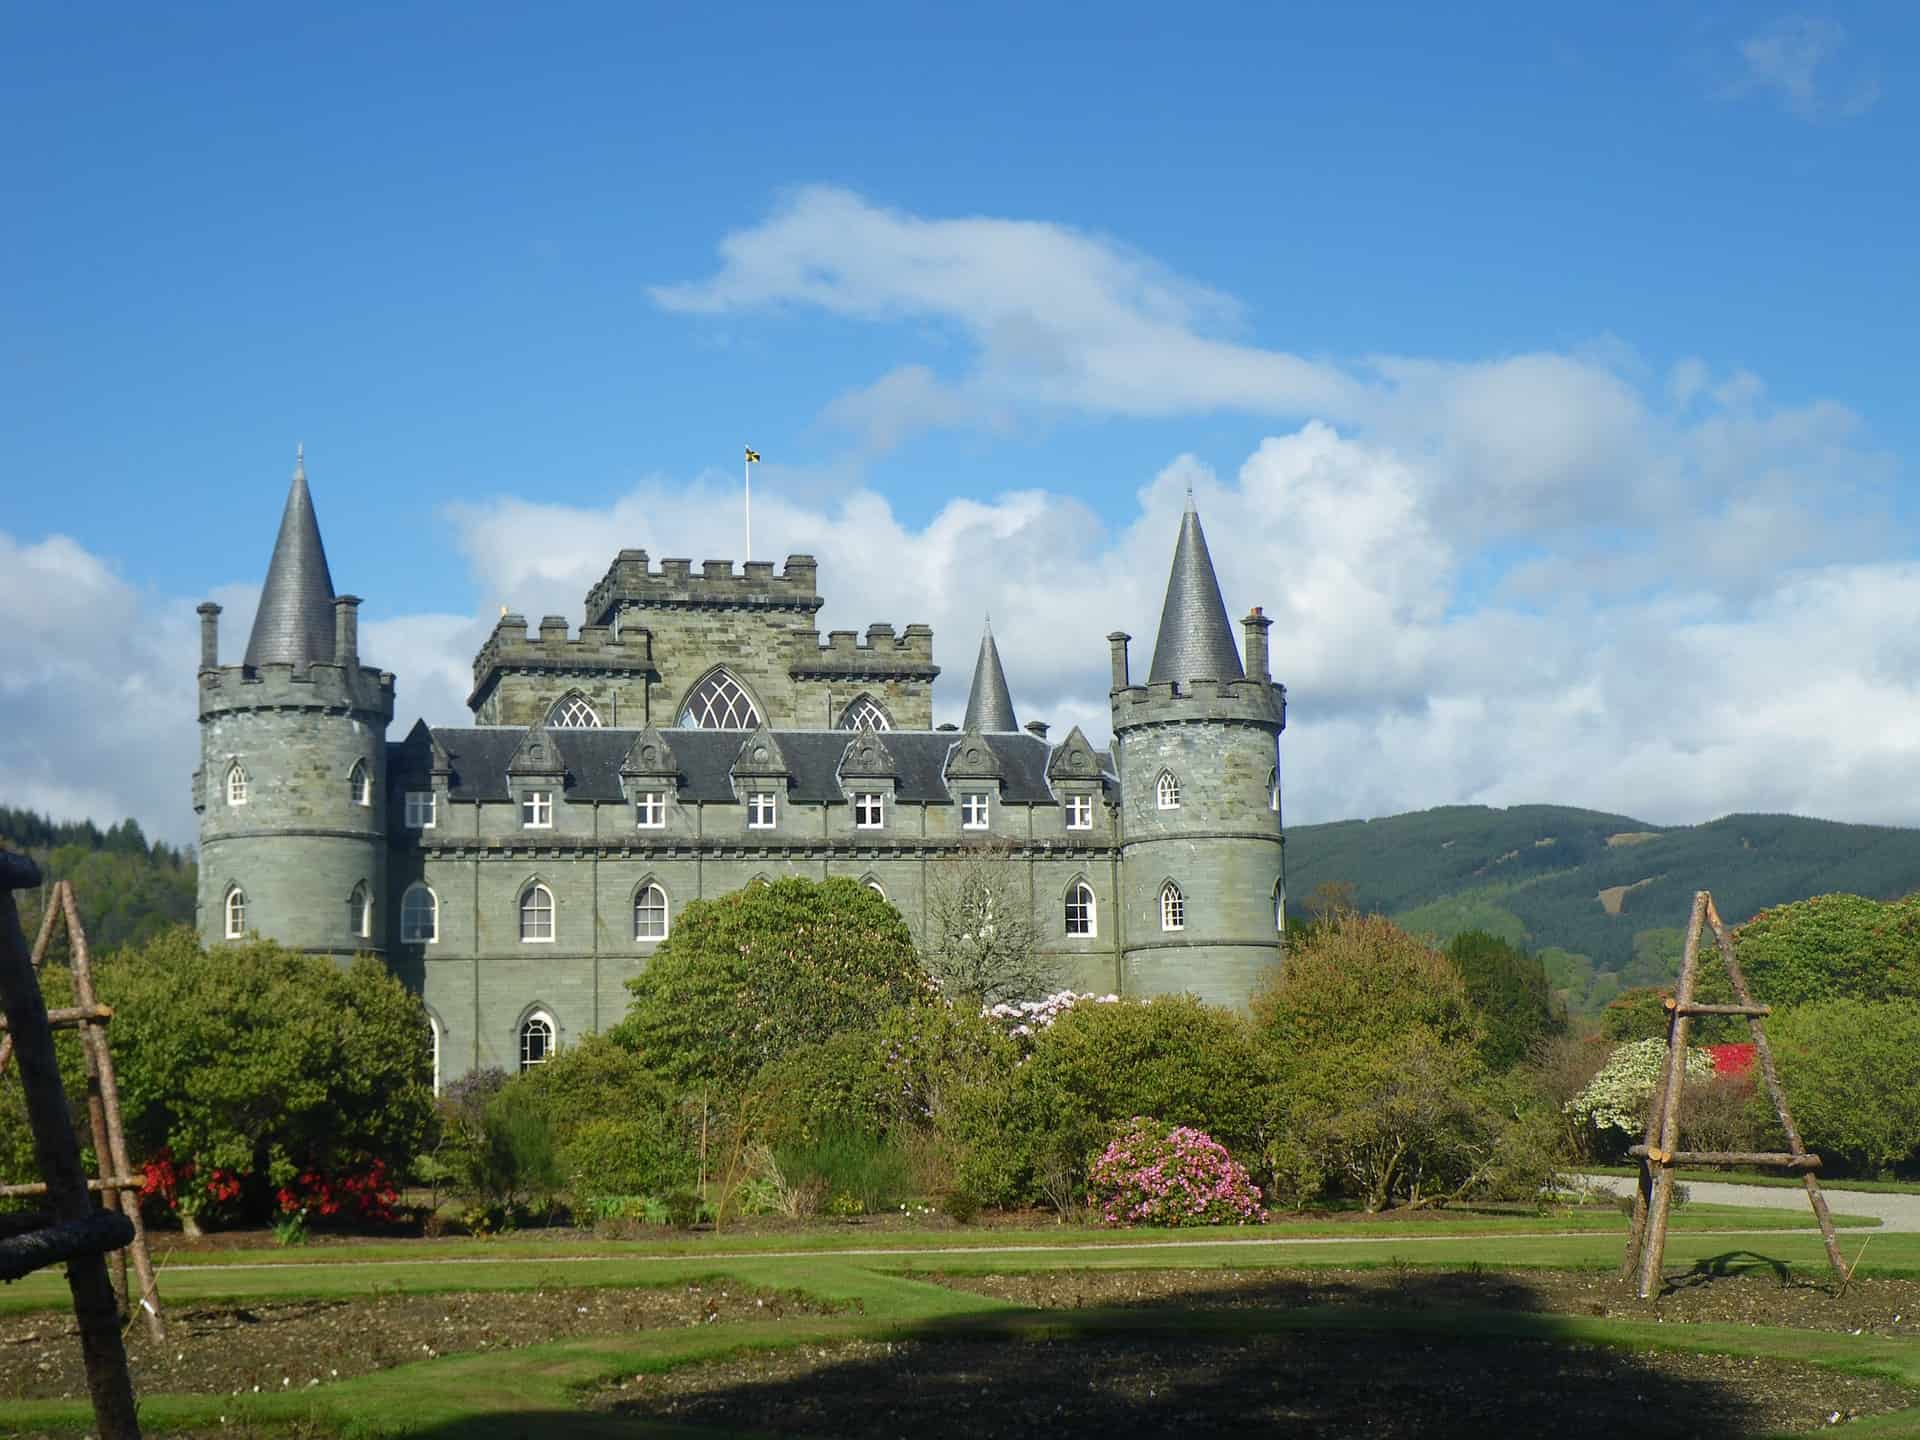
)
(1731, 1265)
(1419, 1355)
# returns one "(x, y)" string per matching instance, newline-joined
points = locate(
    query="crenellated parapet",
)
(880, 655)
(1257, 701)
(632, 583)
(354, 689)
(597, 650)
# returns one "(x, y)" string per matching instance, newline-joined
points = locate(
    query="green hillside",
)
(1545, 876)
(127, 890)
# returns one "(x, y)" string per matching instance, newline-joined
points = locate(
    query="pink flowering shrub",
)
(1155, 1174)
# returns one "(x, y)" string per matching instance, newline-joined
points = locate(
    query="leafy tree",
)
(980, 941)
(616, 1127)
(1509, 989)
(1832, 947)
(1363, 976)
(1851, 1072)
(749, 977)
(263, 1062)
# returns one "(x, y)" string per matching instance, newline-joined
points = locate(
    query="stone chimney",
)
(1117, 644)
(1257, 624)
(209, 636)
(346, 631)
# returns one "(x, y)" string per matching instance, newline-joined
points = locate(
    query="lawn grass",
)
(535, 1390)
(569, 1259)
(1768, 1180)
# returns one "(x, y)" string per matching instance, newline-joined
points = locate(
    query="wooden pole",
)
(1667, 1124)
(58, 1154)
(100, 1069)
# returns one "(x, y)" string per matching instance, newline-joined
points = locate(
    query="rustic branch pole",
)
(58, 1154)
(104, 1093)
(39, 956)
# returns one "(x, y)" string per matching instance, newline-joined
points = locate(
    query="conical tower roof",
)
(989, 704)
(294, 624)
(1195, 641)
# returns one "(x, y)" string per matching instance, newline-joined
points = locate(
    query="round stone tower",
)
(292, 785)
(1197, 751)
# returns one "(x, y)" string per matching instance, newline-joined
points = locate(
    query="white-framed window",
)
(762, 810)
(875, 886)
(572, 712)
(360, 784)
(1166, 791)
(650, 913)
(419, 915)
(419, 814)
(974, 811)
(236, 784)
(1280, 906)
(1079, 812)
(433, 1049)
(536, 810)
(869, 811)
(1273, 790)
(236, 913)
(360, 912)
(650, 809)
(536, 1040)
(1082, 912)
(1173, 907)
(719, 702)
(536, 915)
(865, 714)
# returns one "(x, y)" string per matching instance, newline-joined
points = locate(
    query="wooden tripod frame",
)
(1647, 1238)
(118, 1186)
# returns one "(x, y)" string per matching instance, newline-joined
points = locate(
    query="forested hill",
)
(126, 888)
(1603, 897)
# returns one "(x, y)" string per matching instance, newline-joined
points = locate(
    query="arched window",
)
(419, 916)
(572, 712)
(1173, 907)
(650, 913)
(360, 912)
(536, 913)
(1273, 790)
(865, 714)
(433, 1049)
(1166, 791)
(1082, 916)
(875, 886)
(536, 1039)
(360, 784)
(236, 913)
(1280, 906)
(719, 702)
(236, 784)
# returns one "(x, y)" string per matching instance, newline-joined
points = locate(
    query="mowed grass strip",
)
(537, 1389)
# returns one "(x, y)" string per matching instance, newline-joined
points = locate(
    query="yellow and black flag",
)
(752, 455)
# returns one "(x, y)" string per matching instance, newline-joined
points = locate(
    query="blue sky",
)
(1560, 292)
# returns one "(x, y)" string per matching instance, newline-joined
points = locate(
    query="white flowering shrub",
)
(1617, 1098)
(1023, 1019)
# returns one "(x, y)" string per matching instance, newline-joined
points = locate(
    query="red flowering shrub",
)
(365, 1194)
(1732, 1059)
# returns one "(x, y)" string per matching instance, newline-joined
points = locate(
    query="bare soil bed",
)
(1334, 1383)
(229, 1349)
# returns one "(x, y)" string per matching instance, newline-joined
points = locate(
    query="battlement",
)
(632, 582)
(354, 688)
(908, 654)
(513, 645)
(1256, 701)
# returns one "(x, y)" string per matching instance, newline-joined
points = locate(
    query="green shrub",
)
(621, 1157)
(1832, 947)
(748, 978)
(617, 1128)
(1851, 1072)
(855, 1172)
(838, 1084)
(512, 1161)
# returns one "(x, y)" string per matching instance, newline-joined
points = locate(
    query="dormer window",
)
(975, 810)
(419, 813)
(1079, 812)
(869, 811)
(360, 784)
(236, 784)
(762, 809)
(650, 809)
(1166, 792)
(536, 810)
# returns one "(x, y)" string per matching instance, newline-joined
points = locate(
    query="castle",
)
(696, 735)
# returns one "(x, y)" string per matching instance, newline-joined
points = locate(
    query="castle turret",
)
(292, 788)
(989, 702)
(1197, 751)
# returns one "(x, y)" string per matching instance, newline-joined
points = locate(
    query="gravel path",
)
(1894, 1212)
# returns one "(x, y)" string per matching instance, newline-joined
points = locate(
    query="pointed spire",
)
(989, 703)
(294, 624)
(1195, 642)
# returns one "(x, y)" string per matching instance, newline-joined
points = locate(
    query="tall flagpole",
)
(746, 469)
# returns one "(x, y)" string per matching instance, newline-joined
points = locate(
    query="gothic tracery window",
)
(720, 702)
(865, 714)
(1173, 907)
(236, 913)
(572, 712)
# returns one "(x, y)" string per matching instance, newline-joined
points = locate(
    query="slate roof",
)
(294, 624)
(480, 756)
(1195, 640)
(989, 703)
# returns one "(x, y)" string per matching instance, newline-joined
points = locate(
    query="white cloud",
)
(1804, 61)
